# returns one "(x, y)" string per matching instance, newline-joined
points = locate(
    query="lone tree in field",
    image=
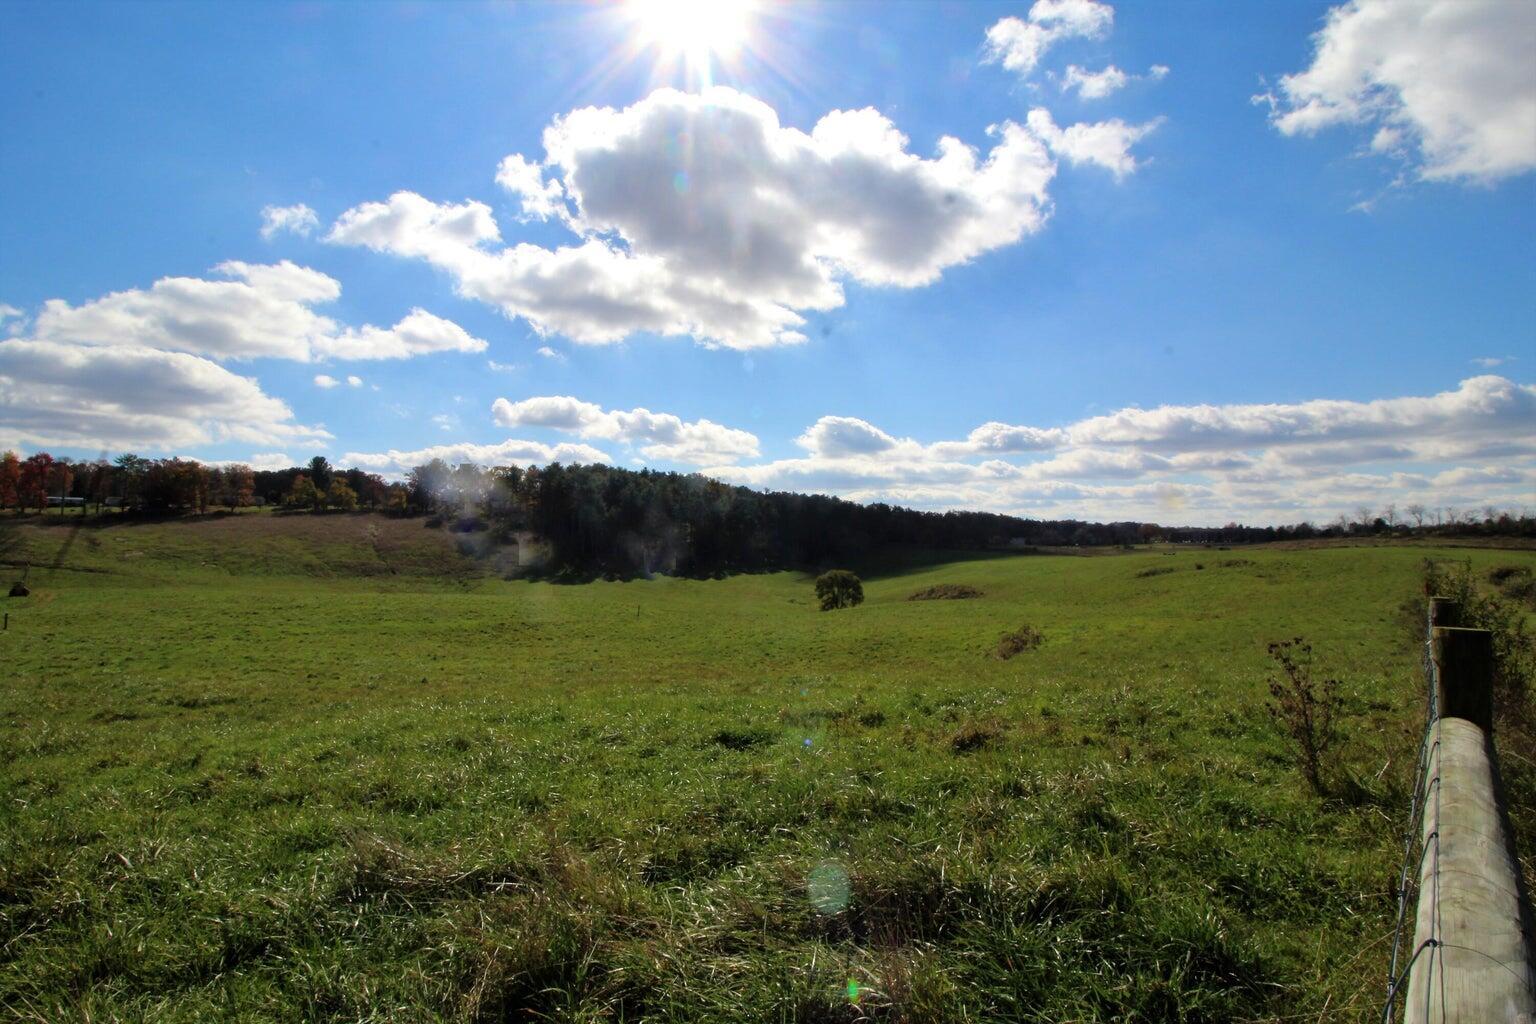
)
(839, 589)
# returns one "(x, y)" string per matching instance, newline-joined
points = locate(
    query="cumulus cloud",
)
(325, 380)
(128, 396)
(1019, 43)
(507, 453)
(420, 333)
(541, 199)
(354, 381)
(1263, 463)
(1105, 143)
(1449, 86)
(1093, 85)
(549, 353)
(270, 460)
(733, 236)
(1481, 407)
(662, 436)
(297, 219)
(256, 311)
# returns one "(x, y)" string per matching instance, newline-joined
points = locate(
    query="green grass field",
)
(326, 768)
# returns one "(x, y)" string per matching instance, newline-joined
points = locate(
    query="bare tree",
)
(1417, 511)
(1390, 515)
(1363, 517)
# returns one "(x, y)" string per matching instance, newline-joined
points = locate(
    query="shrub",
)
(839, 588)
(1516, 582)
(1156, 570)
(945, 592)
(1514, 652)
(1303, 709)
(1025, 638)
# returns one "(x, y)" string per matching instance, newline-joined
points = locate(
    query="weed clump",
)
(1516, 583)
(1304, 709)
(973, 736)
(946, 592)
(1025, 638)
(1156, 570)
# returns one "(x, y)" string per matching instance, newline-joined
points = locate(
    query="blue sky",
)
(1259, 278)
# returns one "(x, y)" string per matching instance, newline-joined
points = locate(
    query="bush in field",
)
(839, 588)
(1303, 709)
(1025, 638)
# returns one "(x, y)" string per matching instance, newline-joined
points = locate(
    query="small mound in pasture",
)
(1025, 638)
(946, 592)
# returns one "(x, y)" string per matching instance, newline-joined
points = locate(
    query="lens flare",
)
(828, 887)
(695, 29)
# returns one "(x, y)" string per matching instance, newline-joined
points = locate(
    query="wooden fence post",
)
(1464, 674)
(1472, 951)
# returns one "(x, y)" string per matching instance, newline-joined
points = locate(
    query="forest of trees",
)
(603, 519)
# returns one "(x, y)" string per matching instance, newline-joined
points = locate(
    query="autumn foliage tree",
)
(33, 481)
(239, 484)
(341, 497)
(10, 479)
(302, 494)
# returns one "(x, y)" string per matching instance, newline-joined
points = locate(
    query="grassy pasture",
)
(326, 768)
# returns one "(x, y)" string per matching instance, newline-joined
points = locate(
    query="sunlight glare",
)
(693, 29)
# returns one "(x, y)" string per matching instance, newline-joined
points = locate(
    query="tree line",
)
(600, 518)
(136, 484)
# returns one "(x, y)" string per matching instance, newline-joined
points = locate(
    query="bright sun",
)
(693, 29)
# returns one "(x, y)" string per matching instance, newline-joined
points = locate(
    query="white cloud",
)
(325, 380)
(839, 436)
(540, 199)
(7, 312)
(549, 353)
(732, 238)
(133, 397)
(1484, 407)
(1019, 43)
(1106, 143)
(354, 381)
(1489, 362)
(1192, 464)
(1158, 71)
(509, 452)
(260, 311)
(491, 364)
(270, 460)
(1093, 85)
(1449, 85)
(298, 219)
(420, 333)
(662, 436)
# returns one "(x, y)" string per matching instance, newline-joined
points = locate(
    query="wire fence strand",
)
(1413, 866)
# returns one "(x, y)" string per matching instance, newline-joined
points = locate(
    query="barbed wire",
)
(1407, 885)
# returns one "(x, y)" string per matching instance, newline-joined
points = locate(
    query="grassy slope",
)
(321, 768)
